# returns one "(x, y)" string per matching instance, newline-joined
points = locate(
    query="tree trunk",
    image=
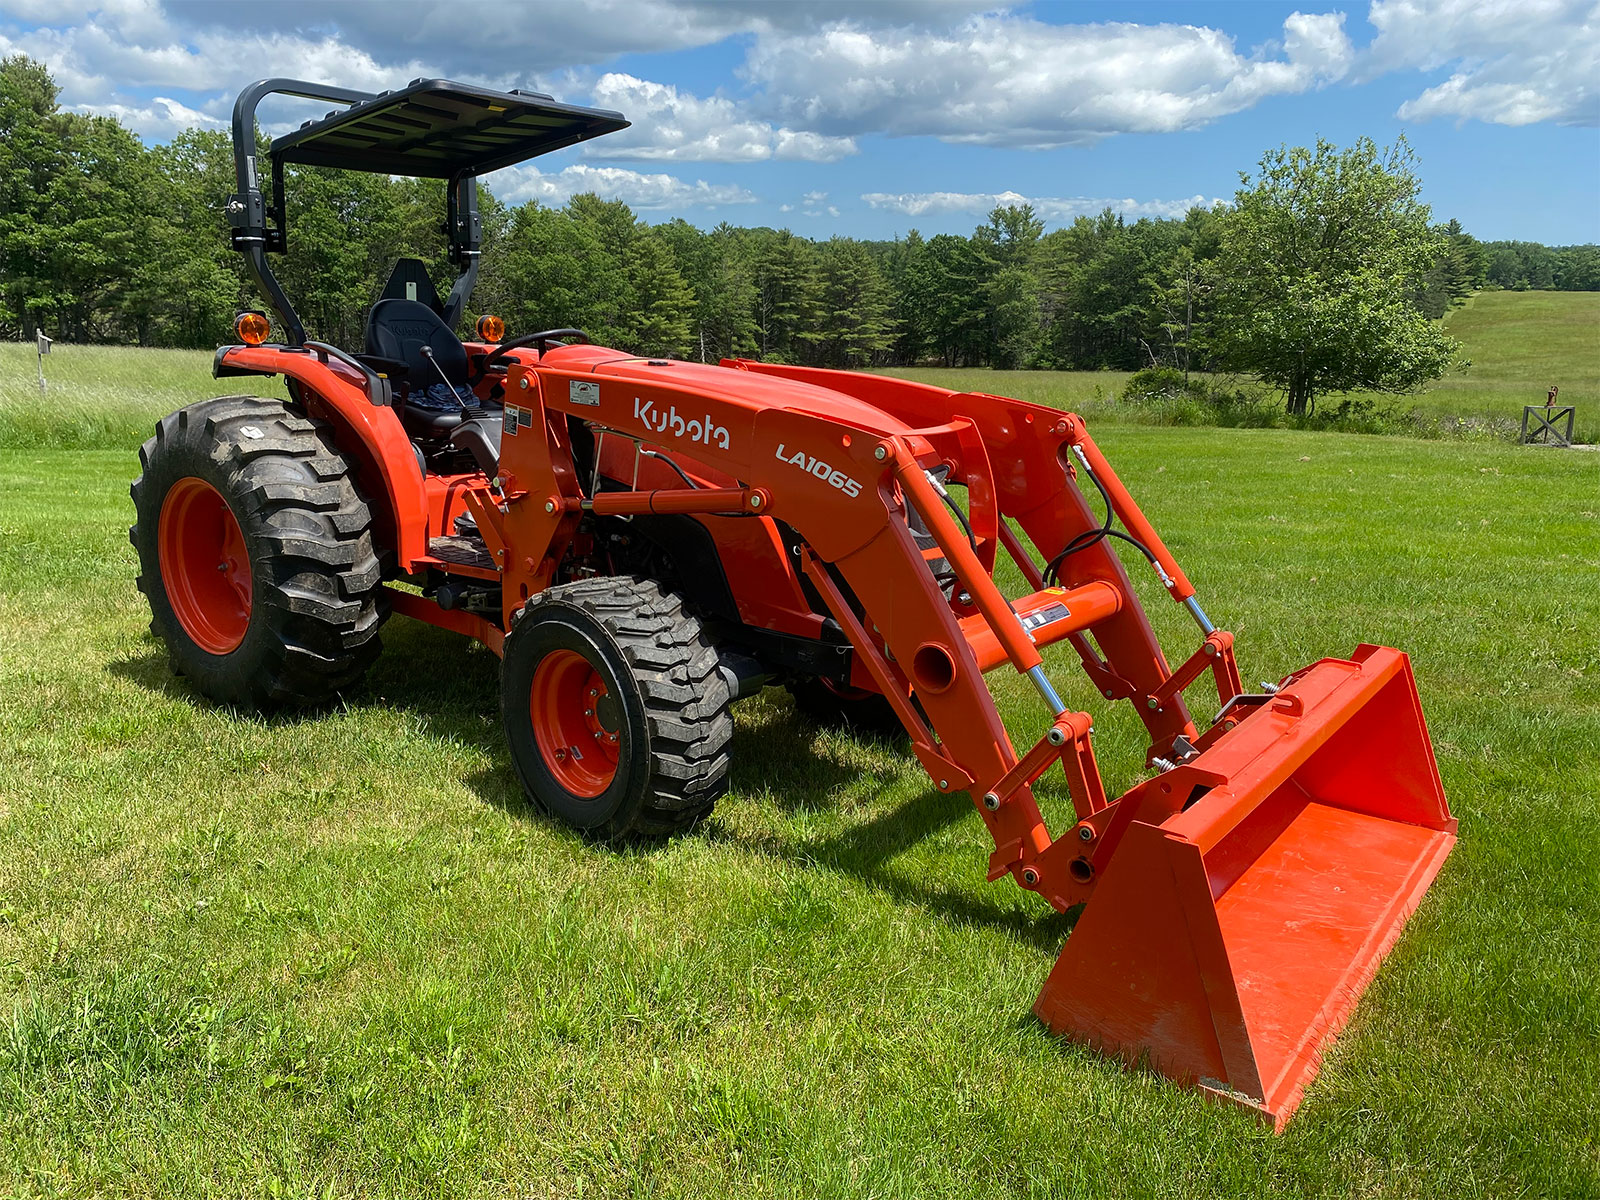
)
(1299, 396)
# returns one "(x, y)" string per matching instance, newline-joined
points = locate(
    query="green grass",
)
(338, 956)
(101, 396)
(1519, 343)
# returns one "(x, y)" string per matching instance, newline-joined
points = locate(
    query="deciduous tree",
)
(1318, 259)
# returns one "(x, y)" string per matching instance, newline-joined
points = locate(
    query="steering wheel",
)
(541, 340)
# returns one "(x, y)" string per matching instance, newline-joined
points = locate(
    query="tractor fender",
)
(368, 433)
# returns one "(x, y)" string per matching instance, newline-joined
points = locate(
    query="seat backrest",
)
(410, 281)
(399, 329)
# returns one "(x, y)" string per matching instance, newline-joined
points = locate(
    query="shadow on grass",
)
(866, 851)
(448, 687)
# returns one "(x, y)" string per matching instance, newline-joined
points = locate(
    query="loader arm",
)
(1238, 900)
(846, 476)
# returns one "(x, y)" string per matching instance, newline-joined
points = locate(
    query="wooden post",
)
(44, 348)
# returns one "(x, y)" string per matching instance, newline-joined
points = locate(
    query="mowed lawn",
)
(337, 955)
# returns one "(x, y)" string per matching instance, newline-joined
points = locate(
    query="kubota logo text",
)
(822, 470)
(670, 422)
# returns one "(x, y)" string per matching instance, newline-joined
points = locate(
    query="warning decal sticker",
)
(1048, 615)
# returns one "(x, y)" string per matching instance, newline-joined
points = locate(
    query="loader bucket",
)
(1227, 945)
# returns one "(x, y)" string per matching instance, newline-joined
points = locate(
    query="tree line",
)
(104, 239)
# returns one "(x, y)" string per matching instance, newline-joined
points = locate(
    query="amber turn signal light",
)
(490, 329)
(252, 328)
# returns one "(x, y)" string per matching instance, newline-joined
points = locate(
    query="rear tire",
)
(256, 554)
(615, 714)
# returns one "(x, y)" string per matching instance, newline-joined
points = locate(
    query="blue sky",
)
(873, 117)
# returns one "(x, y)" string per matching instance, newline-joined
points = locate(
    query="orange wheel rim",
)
(576, 723)
(205, 568)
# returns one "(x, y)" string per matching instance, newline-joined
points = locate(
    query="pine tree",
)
(663, 302)
(855, 312)
(786, 285)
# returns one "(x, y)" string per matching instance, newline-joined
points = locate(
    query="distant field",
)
(1517, 342)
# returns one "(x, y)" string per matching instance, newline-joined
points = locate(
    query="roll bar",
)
(260, 228)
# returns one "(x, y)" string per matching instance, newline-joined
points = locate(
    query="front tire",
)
(615, 714)
(256, 554)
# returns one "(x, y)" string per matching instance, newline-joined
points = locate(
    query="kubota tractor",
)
(644, 542)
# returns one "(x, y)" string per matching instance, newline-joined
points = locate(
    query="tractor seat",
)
(433, 391)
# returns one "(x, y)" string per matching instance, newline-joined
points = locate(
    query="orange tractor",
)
(644, 542)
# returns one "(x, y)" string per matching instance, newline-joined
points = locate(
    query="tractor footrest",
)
(470, 553)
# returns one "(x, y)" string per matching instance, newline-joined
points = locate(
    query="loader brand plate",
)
(1048, 615)
(822, 470)
(583, 391)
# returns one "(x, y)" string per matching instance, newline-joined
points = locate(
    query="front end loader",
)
(646, 541)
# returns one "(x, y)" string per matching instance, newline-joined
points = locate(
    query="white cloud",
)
(1515, 63)
(638, 190)
(672, 125)
(1050, 208)
(451, 36)
(1007, 80)
(130, 46)
(162, 118)
(814, 204)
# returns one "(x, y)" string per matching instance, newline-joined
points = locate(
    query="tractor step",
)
(464, 555)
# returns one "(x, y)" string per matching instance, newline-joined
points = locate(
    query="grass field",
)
(339, 957)
(1520, 343)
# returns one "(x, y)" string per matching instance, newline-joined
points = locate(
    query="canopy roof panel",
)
(437, 129)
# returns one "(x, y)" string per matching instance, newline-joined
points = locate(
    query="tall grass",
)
(102, 396)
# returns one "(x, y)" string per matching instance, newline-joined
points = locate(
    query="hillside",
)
(1519, 343)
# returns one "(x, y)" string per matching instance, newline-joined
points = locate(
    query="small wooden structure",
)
(1545, 419)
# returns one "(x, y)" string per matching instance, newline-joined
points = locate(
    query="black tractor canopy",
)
(431, 128)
